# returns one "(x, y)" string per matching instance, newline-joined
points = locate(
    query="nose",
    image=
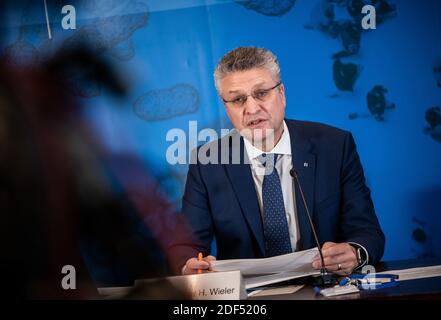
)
(251, 105)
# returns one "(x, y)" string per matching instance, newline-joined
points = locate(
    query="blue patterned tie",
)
(275, 226)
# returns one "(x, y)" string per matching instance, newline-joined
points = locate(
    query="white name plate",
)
(208, 286)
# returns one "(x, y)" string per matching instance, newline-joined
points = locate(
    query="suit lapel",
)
(304, 162)
(243, 185)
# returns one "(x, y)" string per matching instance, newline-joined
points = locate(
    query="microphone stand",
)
(325, 278)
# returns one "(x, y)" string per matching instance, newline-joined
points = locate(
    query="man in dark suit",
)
(250, 203)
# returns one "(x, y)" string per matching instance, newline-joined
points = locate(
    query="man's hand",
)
(340, 258)
(193, 264)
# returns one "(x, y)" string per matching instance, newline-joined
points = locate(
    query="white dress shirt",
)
(283, 166)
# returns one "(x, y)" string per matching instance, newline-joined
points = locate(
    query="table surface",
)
(427, 288)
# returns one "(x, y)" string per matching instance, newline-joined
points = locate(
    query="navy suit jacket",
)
(220, 200)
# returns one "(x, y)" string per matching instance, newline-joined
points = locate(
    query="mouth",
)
(255, 122)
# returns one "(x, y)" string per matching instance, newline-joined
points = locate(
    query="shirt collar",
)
(282, 147)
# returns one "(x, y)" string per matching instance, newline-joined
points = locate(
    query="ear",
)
(227, 110)
(282, 92)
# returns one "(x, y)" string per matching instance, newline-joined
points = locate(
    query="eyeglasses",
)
(259, 94)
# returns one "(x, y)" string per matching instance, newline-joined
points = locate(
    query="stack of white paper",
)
(275, 291)
(300, 261)
(264, 280)
(265, 271)
(415, 273)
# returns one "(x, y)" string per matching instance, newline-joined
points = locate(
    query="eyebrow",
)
(254, 87)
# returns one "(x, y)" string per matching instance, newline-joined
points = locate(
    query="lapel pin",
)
(305, 164)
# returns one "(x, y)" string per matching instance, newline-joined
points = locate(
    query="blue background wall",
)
(168, 50)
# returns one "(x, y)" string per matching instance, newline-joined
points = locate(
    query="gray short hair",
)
(246, 58)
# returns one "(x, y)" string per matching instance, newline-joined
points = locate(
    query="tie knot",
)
(268, 160)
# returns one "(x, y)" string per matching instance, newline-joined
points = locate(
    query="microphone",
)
(325, 279)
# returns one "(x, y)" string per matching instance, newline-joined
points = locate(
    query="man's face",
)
(257, 119)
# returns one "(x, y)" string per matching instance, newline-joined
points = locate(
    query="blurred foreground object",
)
(64, 199)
